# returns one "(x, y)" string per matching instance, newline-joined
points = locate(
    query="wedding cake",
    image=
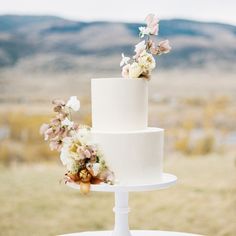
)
(120, 148)
(131, 149)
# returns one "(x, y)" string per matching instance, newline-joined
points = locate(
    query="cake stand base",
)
(121, 209)
(133, 233)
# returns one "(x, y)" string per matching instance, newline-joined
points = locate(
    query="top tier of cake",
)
(119, 104)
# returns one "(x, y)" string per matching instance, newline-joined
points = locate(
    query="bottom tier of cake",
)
(134, 156)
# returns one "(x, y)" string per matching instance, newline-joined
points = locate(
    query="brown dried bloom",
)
(85, 176)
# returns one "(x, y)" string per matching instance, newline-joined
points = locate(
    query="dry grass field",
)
(203, 201)
(197, 110)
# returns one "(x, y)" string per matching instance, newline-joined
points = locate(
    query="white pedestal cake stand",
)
(121, 208)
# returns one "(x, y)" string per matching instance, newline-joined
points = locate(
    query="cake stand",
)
(121, 208)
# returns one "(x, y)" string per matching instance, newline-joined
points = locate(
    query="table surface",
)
(166, 181)
(133, 233)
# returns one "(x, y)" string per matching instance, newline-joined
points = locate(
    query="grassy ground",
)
(204, 201)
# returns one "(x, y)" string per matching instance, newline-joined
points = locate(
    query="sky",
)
(125, 10)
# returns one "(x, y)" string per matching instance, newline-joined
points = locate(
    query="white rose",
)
(146, 61)
(135, 70)
(73, 103)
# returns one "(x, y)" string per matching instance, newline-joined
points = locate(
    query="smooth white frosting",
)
(134, 156)
(119, 116)
(119, 104)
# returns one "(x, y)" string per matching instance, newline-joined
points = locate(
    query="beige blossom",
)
(135, 70)
(146, 61)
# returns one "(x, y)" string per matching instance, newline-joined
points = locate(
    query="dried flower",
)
(152, 24)
(59, 105)
(142, 62)
(155, 50)
(85, 176)
(164, 46)
(84, 187)
(82, 158)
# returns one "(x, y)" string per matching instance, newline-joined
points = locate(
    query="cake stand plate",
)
(133, 233)
(121, 208)
(166, 181)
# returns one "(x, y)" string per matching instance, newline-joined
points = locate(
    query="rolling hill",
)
(48, 43)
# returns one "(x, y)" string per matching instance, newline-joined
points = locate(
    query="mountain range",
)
(41, 43)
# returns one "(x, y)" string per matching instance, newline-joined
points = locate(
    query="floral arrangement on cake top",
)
(143, 62)
(82, 158)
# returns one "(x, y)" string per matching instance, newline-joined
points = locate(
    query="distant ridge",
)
(53, 43)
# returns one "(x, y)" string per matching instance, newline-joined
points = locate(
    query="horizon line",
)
(114, 20)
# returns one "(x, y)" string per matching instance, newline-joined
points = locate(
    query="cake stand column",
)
(121, 210)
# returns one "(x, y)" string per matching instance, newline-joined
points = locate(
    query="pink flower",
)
(164, 46)
(125, 71)
(48, 134)
(62, 133)
(44, 127)
(59, 105)
(152, 24)
(80, 150)
(155, 50)
(55, 122)
(87, 153)
(55, 145)
(139, 48)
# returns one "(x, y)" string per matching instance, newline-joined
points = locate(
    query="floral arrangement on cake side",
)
(143, 62)
(83, 159)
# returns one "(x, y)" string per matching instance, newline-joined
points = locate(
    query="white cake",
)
(131, 149)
